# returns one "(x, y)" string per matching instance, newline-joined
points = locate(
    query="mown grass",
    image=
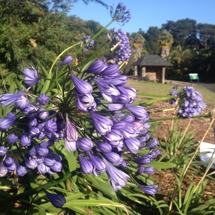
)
(147, 89)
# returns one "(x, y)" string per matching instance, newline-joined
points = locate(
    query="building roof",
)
(151, 60)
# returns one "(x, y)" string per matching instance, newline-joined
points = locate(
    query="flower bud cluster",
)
(120, 46)
(190, 101)
(90, 44)
(120, 14)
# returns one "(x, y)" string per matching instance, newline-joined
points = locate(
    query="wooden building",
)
(152, 66)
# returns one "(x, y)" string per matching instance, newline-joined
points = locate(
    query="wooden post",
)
(135, 71)
(163, 75)
(143, 71)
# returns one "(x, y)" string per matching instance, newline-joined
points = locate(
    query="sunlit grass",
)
(150, 88)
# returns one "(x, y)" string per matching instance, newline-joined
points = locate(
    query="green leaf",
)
(161, 165)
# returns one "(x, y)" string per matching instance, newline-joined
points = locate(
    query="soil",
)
(165, 178)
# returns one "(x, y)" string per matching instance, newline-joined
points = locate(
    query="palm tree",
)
(165, 40)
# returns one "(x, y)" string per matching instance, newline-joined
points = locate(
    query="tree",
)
(152, 44)
(166, 40)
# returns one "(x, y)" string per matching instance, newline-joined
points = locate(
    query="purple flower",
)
(143, 160)
(41, 151)
(128, 92)
(117, 177)
(34, 131)
(66, 60)
(57, 200)
(81, 86)
(112, 71)
(149, 189)
(104, 147)
(113, 157)
(101, 123)
(3, 170)
(49, 161)
(3, 151)
(12, 138)
(90, 44)
(22, 102)
(154, 142)
(57, 166)
(97, 67)
(85, 102)
(132, 145)
(84, 144)
(31, 163)
(147, 170)
(85, 164)
(21, 170)
(7, 99)
(25, 140)
(114, 107)
(70, 132)
(70, 145)
(139, 112)
(6, 123)
(114, 137)
(43, 99)
(8, 161)
(42, 168)
(31, 77)
(50, 125)
(97, 163)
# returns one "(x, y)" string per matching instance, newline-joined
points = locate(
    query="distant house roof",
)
(151, 60)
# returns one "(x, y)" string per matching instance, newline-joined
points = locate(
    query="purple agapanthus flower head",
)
(7, 122)
(25, 140)
(12, 138)
(97, 67)
(22, 102)
(31, 76)
(66, 60)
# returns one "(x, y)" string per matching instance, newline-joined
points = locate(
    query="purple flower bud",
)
(148, 170)
(41, 151)
(66, 60)
(6, 123)
(149, 189)
(85, 164)
(12, 138)
(42, 114)
(132, 145)
(104, 147)
(114, 107)
(143, 160)
(113, 157)
(50, 125)
(3, 170)
(114, 137)
(101, 123)
(70, 132)
(8, 161)
(139, 112)
(21, 170)
(49, 161)
(33, 122)
(57, 200)
(97, 67)
(34, 131)
(154, 142)
(84, 144)
(70, 145)
(128, 91)
(31, 77)
(57, 167)
(3, 151)
(12, 167)
(97, 163)
(81, 86)
(22, 102)
(31, 163)
(111, 71)
(43, 99)
(85, 102)
(117, 177)
(7, 99)
(42, 168)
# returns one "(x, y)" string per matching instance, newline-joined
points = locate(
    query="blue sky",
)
(146, 13)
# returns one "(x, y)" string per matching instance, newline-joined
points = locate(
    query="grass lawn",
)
(158, 89)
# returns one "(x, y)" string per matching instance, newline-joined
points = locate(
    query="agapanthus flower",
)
(113, 157)
(7, 122)
(66, 60)
(43, 99)
(21, 170)
(84, 144)
(22, 102)
(90, 44)
(3, 170)
(146, 169)
(8, 161)
(12, 138)
(117, 177)
(70, 131)
(85, 102)
(132, 145)
(81, 86)
(85, 164)
(149, 189)
(3, 151)
(101, 123)
(31, 76)
(97, 67)
(56, 200)
(70, 145)
(8, 98)
(57, 167)
(98, 163)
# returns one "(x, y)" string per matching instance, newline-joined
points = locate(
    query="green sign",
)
(194, 76)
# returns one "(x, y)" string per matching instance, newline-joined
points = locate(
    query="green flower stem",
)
(38, 189)
(79, 50)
